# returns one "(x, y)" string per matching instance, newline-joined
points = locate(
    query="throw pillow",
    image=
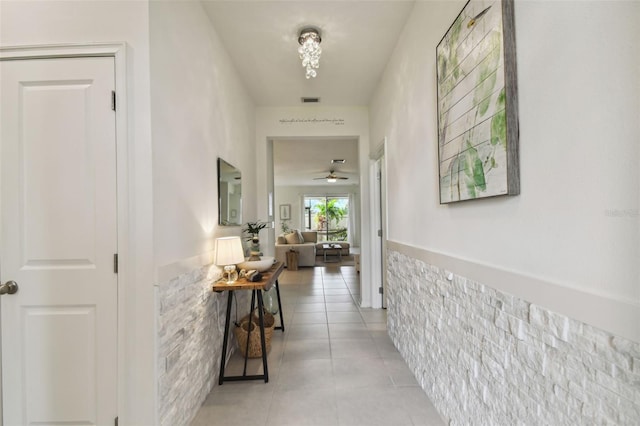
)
(282, 239)
(292, 238)
(300, 237)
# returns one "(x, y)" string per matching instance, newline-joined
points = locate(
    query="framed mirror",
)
(229, 194)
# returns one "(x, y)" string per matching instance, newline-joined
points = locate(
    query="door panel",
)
(58, 205)
(59, 235)
(67, 335)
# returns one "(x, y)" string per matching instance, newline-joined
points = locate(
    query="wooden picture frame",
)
(478, 104)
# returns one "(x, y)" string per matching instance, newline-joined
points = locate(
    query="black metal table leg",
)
(279, 308)
(246, 350)
(225, 340)
(262, 337)
(244, 376)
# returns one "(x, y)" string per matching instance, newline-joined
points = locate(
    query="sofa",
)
(292, 241)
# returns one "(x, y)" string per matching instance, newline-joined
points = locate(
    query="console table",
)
(269, 278)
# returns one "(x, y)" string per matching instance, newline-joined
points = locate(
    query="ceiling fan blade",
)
(331, 175)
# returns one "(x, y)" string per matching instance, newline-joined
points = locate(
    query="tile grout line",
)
(326, 316)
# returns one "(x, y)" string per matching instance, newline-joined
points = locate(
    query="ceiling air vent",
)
(310, 100)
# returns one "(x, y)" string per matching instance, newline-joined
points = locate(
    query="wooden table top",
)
(268, 279)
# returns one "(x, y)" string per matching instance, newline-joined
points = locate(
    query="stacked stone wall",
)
(487, 357)
(190, 321)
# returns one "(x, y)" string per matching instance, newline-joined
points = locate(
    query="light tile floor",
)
(334, 365)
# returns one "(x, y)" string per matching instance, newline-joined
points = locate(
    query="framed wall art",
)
(478, 104)
(285, 211)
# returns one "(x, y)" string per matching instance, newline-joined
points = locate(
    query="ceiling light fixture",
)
(310, 50)
(332, 177)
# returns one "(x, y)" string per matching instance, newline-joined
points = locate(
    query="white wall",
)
(576, 223)
(293, 195)
(200, 111)
(57, 22)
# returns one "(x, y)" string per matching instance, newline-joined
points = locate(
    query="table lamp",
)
(228, 254)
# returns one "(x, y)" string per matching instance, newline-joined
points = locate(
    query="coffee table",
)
(329, 247)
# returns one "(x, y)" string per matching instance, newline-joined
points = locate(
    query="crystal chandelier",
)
(310, 50)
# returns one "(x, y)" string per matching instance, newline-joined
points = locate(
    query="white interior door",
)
(59, 237)
(377, 255)
(382, 182)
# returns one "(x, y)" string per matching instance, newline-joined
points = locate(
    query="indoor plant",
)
(253, 229)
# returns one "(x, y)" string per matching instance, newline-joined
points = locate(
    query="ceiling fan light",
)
(332, 180)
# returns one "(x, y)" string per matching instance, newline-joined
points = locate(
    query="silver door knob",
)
(10, 287)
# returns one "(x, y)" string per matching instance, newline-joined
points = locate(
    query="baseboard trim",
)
(620, 317)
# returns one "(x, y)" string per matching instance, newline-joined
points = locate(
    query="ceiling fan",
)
(332, 177)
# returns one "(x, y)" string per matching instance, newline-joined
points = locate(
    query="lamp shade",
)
(228, 251)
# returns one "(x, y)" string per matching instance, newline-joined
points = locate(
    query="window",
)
(329, 215)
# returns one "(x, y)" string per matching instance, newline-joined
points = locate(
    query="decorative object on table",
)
(310, 50)
(254, 276)
(253, 229)
(285, 212)
(478, 104)
(228, 253)
(262, 265)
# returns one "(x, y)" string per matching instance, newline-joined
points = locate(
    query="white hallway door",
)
(59, 237)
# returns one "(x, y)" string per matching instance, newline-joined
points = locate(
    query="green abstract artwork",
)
(477, 104)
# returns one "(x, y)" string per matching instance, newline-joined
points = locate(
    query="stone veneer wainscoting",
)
(486, 357)
(190, 332)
